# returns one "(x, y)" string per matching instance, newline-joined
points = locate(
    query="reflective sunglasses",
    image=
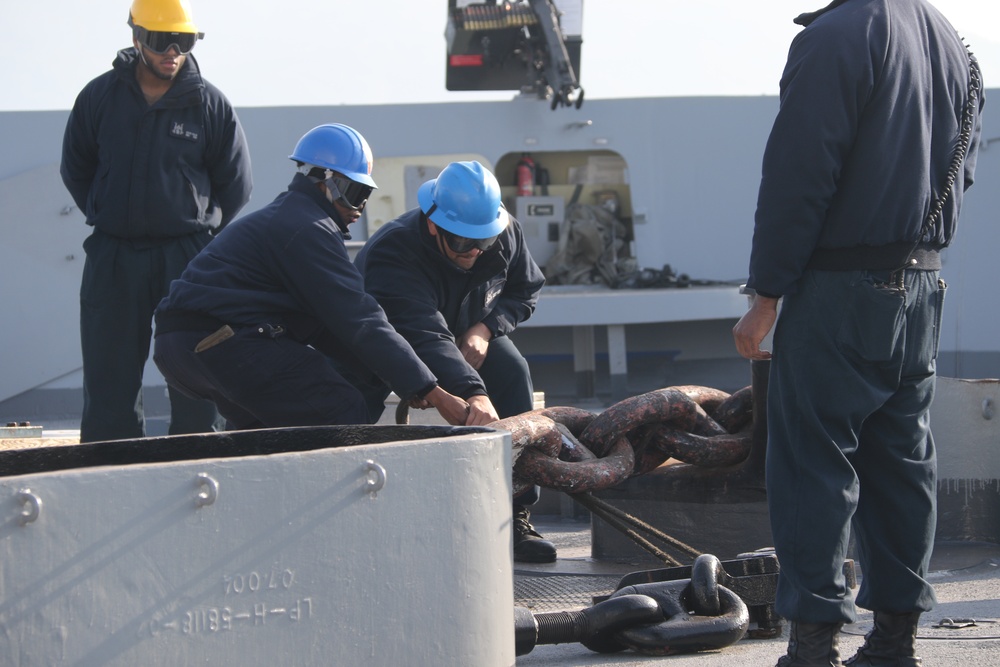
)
(160, 42)
(350, 193)
(462, 245)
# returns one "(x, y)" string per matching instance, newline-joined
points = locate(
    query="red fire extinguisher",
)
(525, 176)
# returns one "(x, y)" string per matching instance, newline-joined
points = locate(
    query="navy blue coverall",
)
(431, 302)
(282, 282)
(155, 181)
(872, 98)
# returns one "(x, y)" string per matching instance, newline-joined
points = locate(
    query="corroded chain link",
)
(576, 451)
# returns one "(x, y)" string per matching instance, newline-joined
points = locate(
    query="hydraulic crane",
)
(516, 45)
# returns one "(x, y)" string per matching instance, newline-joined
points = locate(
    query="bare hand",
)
(419, 404)
(454, 410)
(474, 343)
(481, 411)
(754, 326)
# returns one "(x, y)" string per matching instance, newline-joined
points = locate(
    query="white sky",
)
(330, 52)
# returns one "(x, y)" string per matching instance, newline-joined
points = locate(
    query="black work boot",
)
(529, 546)
(812, 645)
(891, 643)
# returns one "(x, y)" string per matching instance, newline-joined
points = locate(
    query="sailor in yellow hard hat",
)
(156, 159)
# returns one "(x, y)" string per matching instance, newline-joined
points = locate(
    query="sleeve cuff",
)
(426, 390)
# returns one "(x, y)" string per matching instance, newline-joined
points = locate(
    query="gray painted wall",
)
(693, 171)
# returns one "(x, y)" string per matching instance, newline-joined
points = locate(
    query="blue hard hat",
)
(465, 200)
(337, 147)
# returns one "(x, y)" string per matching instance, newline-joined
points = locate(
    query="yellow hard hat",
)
(162, 15)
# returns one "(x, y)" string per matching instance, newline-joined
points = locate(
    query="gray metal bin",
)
(309, 546)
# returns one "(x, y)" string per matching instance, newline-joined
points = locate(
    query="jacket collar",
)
(303, 184)
(188, 84)
(809, 17)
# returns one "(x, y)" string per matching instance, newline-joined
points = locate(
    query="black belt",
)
(185, 320)
(170, 321)
(925, 257)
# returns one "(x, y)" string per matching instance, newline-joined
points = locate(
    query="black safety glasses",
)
(160, 42)
(350, 193)
(462, 245)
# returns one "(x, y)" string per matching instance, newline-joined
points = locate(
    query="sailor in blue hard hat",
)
(455, 277)
(263, 319)
(339, 158)
(465, 210)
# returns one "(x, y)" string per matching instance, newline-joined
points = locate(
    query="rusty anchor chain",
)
(580, 452)
(575, 451)
(662, 618)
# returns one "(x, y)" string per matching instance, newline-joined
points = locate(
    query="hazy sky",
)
(329, 52)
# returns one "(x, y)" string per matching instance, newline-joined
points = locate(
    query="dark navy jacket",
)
(286, 265)
(431, 301)
(863, 139)
(174, 168)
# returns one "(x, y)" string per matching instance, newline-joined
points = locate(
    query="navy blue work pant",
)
(260, 378)
(851, 382)
(123, 281)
